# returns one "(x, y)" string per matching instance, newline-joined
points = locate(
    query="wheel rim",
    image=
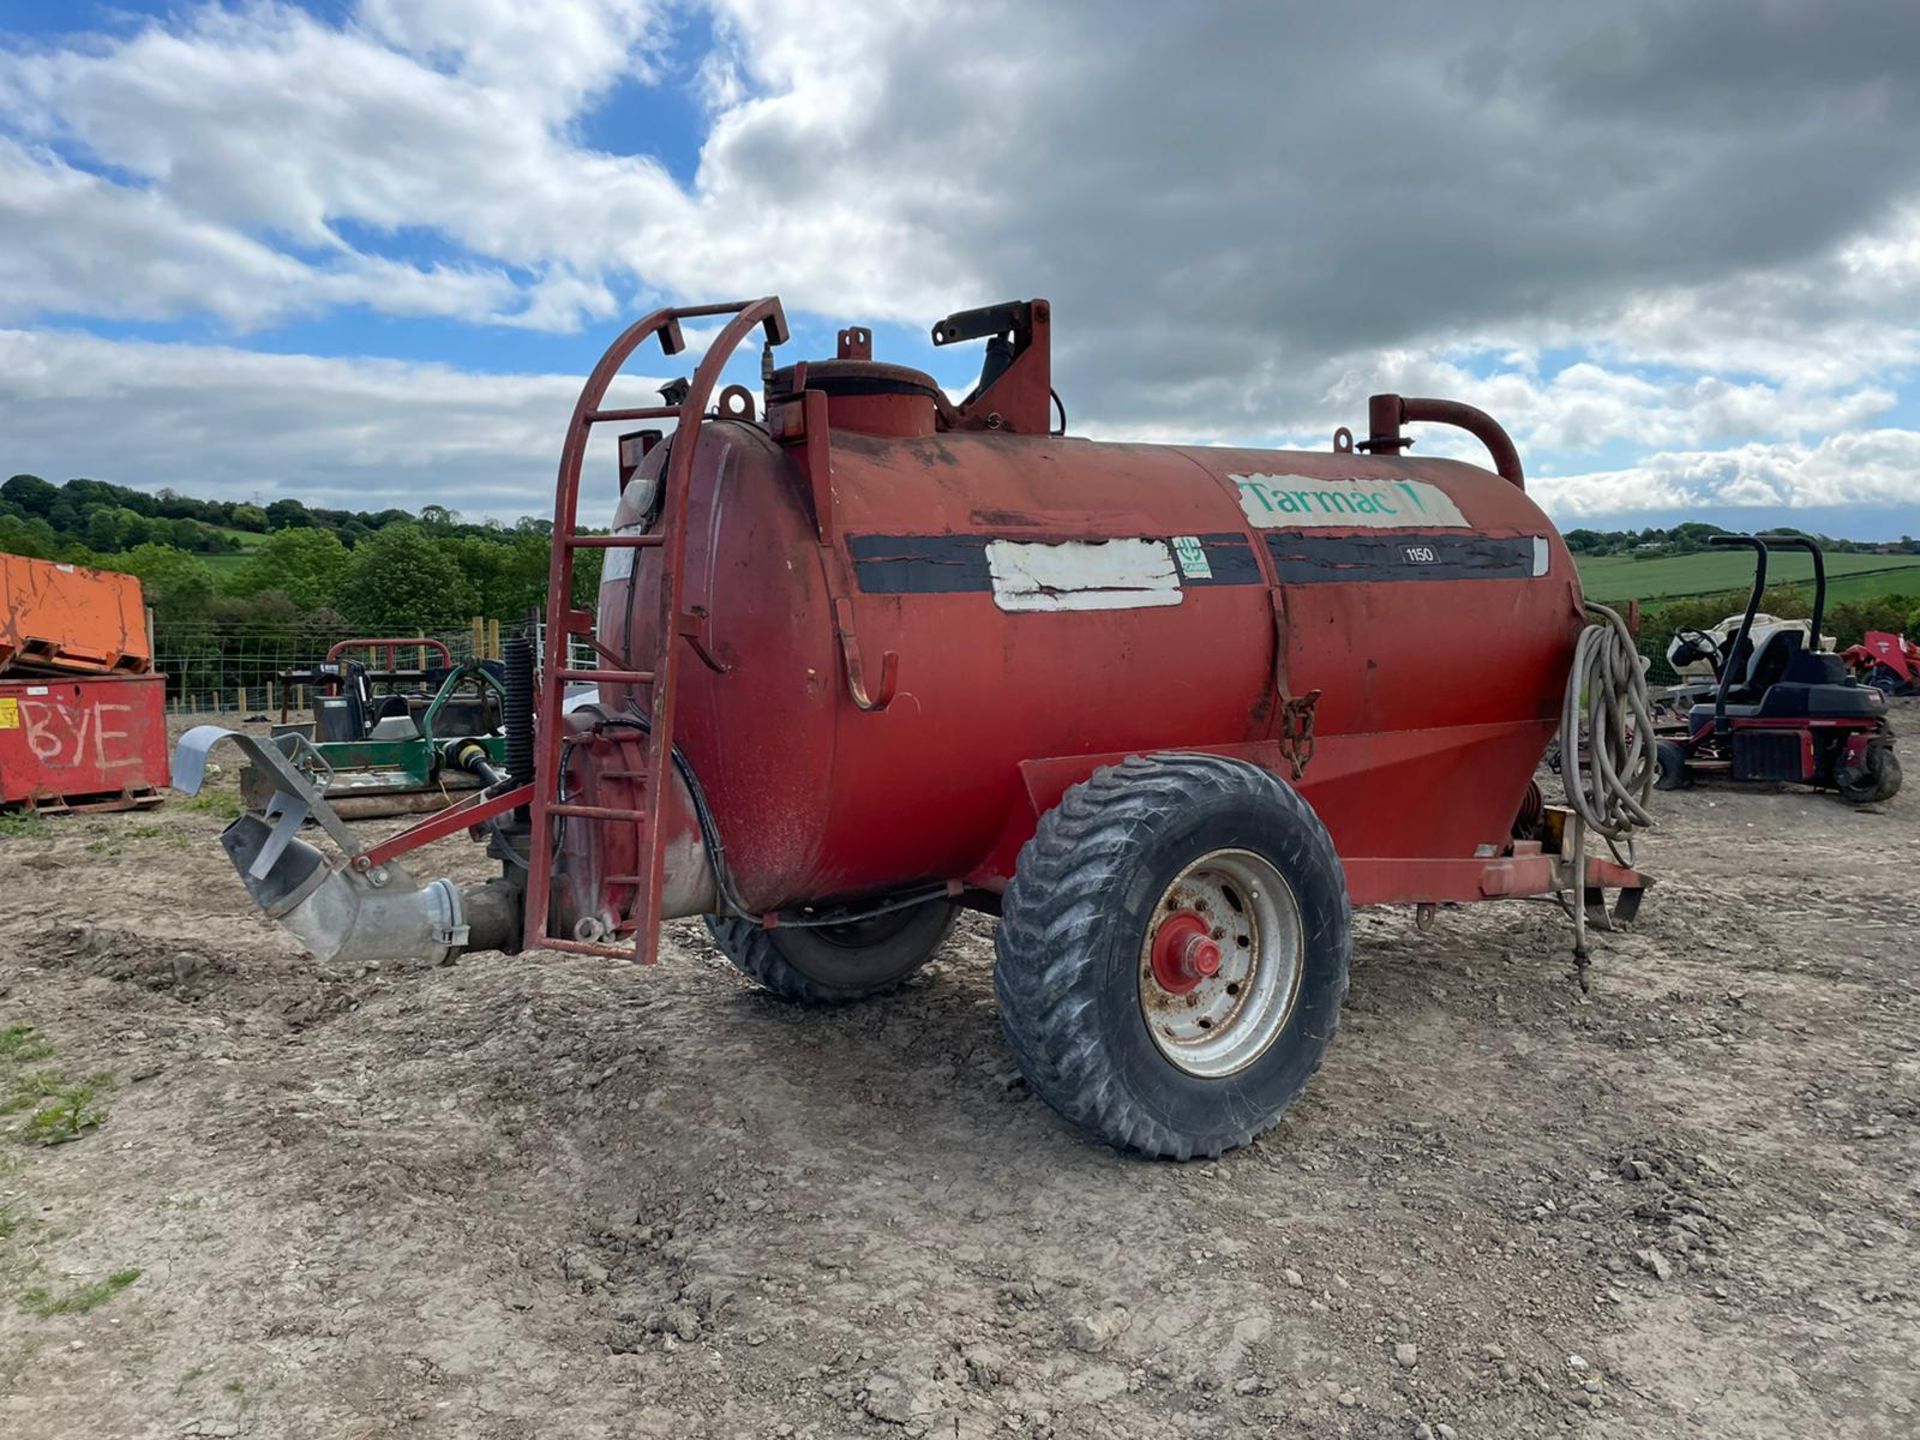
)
(1221, 962)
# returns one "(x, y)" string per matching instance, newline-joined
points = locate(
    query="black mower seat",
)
(1814, 667)
(1770, 664)
(1783, 658)
(1788, 701)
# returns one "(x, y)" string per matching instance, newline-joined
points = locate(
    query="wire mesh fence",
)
(221, 667)
(1652, 643)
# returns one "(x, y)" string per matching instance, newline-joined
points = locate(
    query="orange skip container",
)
(58, 618)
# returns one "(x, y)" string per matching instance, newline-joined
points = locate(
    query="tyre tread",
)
(1052, 909)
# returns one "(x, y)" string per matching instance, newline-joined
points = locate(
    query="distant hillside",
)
(1694, 536)
(237, 564)
(1850, 575)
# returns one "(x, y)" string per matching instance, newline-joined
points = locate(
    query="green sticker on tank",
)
(1289, 502)
(1192, 556)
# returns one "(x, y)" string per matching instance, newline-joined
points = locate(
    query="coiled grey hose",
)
(1610, 780)
(1608, 786)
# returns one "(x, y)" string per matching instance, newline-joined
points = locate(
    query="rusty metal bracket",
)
(693, 629)
(878, 699)
(736, 403)
(1296, 712)
(801, 424)
(819, 460)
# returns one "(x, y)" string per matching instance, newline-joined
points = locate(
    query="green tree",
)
(398, 580)
(305, 565)
(31, 537)
(29, 494)
(174, 581)
(509, 575)
(288, 515)
(249, 517)
(113, 527)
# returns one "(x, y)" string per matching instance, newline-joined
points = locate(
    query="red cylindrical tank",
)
(1058, 602)
(1170, 712)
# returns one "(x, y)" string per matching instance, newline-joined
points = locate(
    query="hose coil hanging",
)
(1610, 779)
(1610, 782)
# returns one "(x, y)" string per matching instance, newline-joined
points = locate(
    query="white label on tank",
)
(1082, 575)
(1542, 556)
(1291, 502)
(618, 562)
(1192, 557)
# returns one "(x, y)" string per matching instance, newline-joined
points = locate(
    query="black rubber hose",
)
(471, 756)
(520, 710)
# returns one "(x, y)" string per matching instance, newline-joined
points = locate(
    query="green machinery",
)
(386, 737)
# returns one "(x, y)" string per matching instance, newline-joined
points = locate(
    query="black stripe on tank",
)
(920, 564)
(949, 564)
(1363, 559)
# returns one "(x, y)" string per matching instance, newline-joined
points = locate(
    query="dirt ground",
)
(551, 1196)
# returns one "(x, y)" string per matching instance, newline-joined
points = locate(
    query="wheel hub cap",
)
(1184, 953)
(1221, 963)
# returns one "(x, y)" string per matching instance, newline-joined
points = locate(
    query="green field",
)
(1610, 578)
(233, 560)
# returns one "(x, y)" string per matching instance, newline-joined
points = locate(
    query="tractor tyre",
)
(1886, 680)
(1878, 777)
(837, 964)
(1670, 766)
(1172, 953)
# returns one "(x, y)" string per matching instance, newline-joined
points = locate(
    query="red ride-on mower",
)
(1889, 663)
(1783, 712)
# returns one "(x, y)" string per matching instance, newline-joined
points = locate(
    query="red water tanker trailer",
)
(866, 656)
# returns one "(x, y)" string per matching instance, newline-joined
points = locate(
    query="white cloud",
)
(368, 434)
(582, 48)
(1874, 468)
(1610, 230)
(356, 434)
(264, 125)
(107, 250)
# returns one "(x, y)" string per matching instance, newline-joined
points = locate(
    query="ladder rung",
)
(617, 677)
(645, 412)
(718, 307)
(595, 812)
(614, 542)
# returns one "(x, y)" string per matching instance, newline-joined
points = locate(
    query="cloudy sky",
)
(361, 251)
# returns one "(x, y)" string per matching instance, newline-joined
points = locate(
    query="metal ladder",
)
(564, 621)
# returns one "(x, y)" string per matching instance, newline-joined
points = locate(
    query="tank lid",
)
(854, 377)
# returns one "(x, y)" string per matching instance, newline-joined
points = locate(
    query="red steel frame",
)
(424, 642)
(563, 621)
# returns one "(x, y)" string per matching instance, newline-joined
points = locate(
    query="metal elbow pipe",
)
(341, 914)
(1387, 413)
